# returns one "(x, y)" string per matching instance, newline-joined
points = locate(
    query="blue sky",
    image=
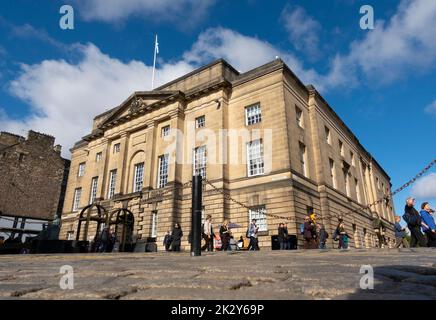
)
(381, 82)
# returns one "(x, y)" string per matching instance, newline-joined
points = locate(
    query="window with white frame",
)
(81, 171)
(154, 224)
(253, 114)
(166, 131)
(299, 114)
(138, 177)
(333, 173)
(94, 185)
(98, 156)
(76, 199)
(200, 122)
(303, 159)
(117, 148)
(112, 183)
(162, 177)
(255, 164)
(199, 165)
(258, 213)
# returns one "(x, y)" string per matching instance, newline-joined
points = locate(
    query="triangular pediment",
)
(136, 101)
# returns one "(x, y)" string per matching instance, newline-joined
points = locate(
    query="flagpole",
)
(154, 63)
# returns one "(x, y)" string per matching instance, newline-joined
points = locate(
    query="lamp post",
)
(196, 215)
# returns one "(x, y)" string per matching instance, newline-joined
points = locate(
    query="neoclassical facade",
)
(262, 138)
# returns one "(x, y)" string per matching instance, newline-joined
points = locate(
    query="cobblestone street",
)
(333, 274)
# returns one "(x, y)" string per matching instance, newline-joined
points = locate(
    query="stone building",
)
(261, 137)
(33, 179)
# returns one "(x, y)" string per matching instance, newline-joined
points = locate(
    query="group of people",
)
(421, 224)
(173, 239)
(104, 242)
(315, 236)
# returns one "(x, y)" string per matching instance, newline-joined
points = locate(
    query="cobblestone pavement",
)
(330, 274)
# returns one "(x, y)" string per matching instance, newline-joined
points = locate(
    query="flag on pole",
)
(156, 51)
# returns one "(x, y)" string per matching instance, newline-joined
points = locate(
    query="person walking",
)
(323, 236)
(379, 229)
(282, 237)
(252, 234)
(400, 234)
(225, 235)
(167, 241)
(105, 239)
(309, 231)
(208, 234)
(342, 235)
(177, 235)
(414, 223)
(430, 226)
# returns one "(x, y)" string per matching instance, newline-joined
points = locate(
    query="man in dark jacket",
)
(379, 229)
(414, 223)
(283, 236)
(167, 241)
(323, 236)
(400, 234)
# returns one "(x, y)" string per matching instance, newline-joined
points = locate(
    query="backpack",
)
(302, 228)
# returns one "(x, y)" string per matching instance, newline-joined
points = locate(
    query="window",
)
(327, 135)
(162, 177)
(154, 224)
(341, 148)
(200, 122)
(94, 184)
(98, 156)
(117, 148)
(76, 199)
(166, 131)
(299, 114)
(258, 213)
(255, 165)
(253, 114)
(112, 182)
(356, 182)
(347, 182)
(139, 177)
(81, 171)
(199, 166)
(333, 173)
(303, 159)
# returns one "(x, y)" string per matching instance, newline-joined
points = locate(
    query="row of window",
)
(347, 177)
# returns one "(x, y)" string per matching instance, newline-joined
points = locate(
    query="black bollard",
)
(196, 216)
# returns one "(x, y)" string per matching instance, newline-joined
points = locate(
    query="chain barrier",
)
(330, 216)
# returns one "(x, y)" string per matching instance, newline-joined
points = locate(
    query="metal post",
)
(196, 216)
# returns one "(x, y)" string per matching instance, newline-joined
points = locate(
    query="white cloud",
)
(406, 44)
(244, 52)
(425, 188)
(303, 30)
(64, 97)
(431, 108)
(182, 12)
